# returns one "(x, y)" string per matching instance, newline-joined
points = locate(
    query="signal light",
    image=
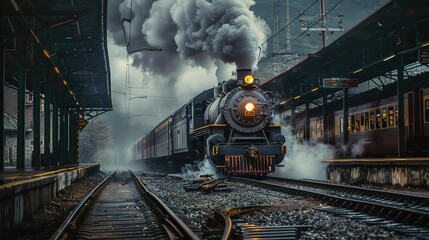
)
(249, 107)
(249, 79)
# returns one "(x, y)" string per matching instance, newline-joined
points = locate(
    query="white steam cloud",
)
(193, 32)
(193, 172)
(304, 159)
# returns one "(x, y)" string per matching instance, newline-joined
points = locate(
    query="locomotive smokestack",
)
(241, 73)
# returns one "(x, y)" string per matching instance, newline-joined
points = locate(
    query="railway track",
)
(401, 212)
(236, 228)
(121, 207)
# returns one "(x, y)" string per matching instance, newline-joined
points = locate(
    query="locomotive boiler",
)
(231, 125)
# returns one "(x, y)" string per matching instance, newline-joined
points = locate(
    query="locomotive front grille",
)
(240, 164)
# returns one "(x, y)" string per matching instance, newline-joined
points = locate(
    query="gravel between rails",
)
(288, 210)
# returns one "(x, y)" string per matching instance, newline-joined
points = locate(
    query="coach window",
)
(316, 135)
(384, 118)
(427, 110)
(366, 120)
(341, 125)
(312, 132)
(362, 119)
(352, 123)
(391, 118)
(377, 119)
(396, 114)
(371, 120)
(357, 126)
(349, 127)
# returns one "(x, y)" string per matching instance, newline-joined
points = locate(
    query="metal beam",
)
(307, 121)
(55, 151)
(346, 120)
(37, 78)
(2, 81)
(401, 112)
(325, 117)
(47, 134)
(20, 151)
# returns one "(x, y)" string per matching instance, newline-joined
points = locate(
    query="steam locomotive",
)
(230, 125)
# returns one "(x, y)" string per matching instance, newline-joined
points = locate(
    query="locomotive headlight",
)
(249, 107)
(248, 79)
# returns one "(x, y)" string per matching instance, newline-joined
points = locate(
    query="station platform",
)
(23, 192)
(412, 171)
(11, 174)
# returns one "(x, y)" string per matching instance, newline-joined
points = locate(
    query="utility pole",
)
(308, 23)
(282, 38)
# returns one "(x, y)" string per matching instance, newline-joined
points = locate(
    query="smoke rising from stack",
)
(194, 32)
(202, 42)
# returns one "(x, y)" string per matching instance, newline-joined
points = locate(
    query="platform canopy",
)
(393, 36)
(67, 40)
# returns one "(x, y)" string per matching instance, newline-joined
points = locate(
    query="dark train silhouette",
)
(231, 125)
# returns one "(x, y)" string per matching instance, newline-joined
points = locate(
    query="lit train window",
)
(341, 125)
(371, 120)
(377, 119)
(349, 125)
(384, 118)
(391, 116)
(312, 132)
(321, 128)
(317, 129)
(366, 121)
(427, 110)
(396, 114)
(357, 126)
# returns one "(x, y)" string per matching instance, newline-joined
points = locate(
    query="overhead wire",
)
(293, 40)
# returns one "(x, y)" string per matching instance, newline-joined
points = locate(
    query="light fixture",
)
(297, 97)
(65, 83)
(314, 89)
(284, 102)
(57, 69)
(389, 57)
(359, 70)
(425, 44)
(46, 53)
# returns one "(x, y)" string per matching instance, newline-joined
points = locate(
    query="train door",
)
(331, 128)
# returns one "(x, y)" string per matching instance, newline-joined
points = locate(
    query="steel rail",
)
(406, 215)
(178, 224)
(415, 198)
(73, 214)
(222, 216)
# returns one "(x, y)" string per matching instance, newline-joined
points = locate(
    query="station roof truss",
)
(68, 40)
(374, 48)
